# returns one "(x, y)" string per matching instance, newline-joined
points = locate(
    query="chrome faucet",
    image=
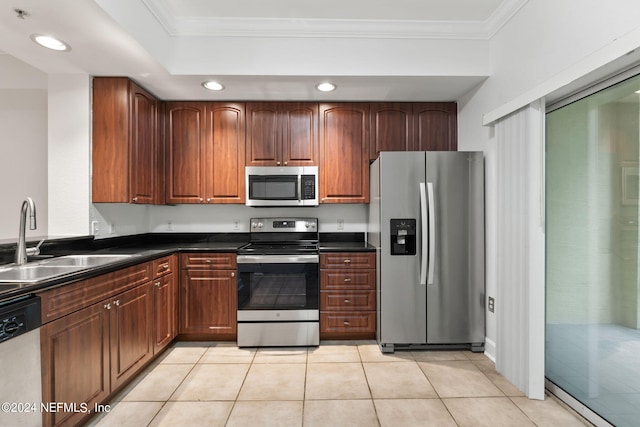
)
(21, 250)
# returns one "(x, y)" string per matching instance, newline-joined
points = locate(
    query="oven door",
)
(277, 282)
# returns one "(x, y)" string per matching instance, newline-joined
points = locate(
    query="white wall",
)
(69, 140)
(115, 219)
(23, 145)
(543, 39)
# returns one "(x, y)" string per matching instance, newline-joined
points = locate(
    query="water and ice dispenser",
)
(403, 236)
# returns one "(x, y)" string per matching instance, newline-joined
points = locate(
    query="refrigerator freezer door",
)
(402, 300)
(455, 300)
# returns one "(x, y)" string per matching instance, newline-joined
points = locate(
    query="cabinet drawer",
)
(358, 279)
(347, 322)
(348, 260)
(347, 300)
(67, 299)
(163, 266)
(209, 261)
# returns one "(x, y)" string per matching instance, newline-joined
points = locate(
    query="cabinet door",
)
(225, 153)
(435, 126)
(263, 144)
(75, 362)
(130, 333)
(344, 153)
(391, 127)
(185, 152)
(165, 312)
(299, 125)
(110, 140)
(208, 303)
(144, 185)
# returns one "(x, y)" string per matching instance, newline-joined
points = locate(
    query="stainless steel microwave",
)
(281, 186)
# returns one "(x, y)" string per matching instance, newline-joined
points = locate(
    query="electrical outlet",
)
(236, 224)
(95, 227)
(340, 224)
(169, 226)
(492, 304)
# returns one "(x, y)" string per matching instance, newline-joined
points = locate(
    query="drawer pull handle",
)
(107, 306)
(347, 261)
(346, 323)
(347, 279)
(157, 284)
(208, 260)
(347, 301)
(164, 266)
(117, 302)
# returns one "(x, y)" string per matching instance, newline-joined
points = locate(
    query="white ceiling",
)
(405, 50)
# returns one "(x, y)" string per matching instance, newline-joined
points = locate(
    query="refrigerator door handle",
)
(432, 233)
(425, 234)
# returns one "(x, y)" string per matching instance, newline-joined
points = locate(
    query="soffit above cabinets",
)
(374, 50)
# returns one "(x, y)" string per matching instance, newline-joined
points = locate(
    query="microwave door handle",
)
(299, 189)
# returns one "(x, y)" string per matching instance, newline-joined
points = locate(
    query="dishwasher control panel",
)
(19, 316)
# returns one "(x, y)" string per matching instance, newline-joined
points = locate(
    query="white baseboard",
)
(490, 349)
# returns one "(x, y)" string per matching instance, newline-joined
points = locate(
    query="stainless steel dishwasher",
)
(20, 386)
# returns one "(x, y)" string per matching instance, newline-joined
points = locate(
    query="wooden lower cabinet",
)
(75, 362)
(165, 312)
(90, 353)
(208, 298)
(130, 332)
(347, 295)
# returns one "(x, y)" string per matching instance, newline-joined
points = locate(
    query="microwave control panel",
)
(308, 187)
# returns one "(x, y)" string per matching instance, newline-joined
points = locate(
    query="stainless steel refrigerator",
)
(426, 220)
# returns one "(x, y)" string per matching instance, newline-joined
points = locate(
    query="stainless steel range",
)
(278, 284)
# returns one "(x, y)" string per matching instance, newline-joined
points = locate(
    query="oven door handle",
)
(278, 259)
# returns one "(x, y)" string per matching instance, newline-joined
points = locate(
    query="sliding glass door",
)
(592, 276)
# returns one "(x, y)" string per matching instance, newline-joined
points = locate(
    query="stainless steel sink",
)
(85, 260)
(34, 273)
(45, 270)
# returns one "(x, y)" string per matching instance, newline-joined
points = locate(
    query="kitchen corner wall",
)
(23, 144)
(114, 219)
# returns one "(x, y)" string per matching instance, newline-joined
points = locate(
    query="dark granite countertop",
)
(144, 248)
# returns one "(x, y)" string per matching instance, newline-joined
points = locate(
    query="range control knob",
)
(260, 225)
(254, 225)
(307, 224)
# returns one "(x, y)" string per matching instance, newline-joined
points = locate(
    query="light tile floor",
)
(336, 384)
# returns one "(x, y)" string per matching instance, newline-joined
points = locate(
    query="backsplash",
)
(114, 219)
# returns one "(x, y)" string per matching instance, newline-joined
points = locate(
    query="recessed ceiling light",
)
(50, 42)
(326, 87)
(211, 85)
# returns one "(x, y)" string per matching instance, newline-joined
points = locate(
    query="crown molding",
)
(193, 26)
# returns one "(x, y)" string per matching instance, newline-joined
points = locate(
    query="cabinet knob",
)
(201, 200)
(208, 261)
(157, 284)
(233, 274)
(285, 163)
(107, 306)
(347, 279)
(116, 302)
(347, 301)
(164, 266)
(208, 199)
(278, 163)
(135, 199)
(346, 323)
(347, 261)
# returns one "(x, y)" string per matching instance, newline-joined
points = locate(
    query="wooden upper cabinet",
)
(185, 141)
(344, 153)
(225, 153)
(126, 149)
(435, 126)
(205, 152)
(391, 127)
(282, 134)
